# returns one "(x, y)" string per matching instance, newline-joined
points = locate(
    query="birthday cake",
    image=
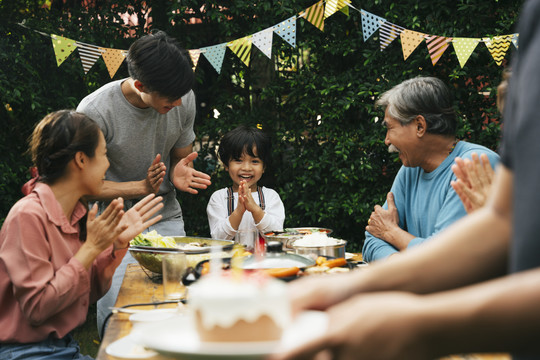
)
(239, 307)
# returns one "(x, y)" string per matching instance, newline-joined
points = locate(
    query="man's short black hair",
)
(161, 65)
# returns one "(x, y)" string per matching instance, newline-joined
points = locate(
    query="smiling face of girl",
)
(246, 168)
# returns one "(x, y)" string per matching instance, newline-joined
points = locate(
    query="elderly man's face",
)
(402, 139)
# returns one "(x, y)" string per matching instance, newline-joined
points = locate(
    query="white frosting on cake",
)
(224, 300)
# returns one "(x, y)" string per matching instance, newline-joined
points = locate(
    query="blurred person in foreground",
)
(56, 257)
(147, 120)
(421, 127)
(475, 288)
(474, 176)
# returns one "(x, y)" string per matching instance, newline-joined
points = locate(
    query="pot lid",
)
(276, 258)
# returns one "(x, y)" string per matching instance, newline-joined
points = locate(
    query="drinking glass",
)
(174, 269)
(247, 238)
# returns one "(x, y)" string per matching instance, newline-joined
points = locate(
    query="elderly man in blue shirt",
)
(421, 127)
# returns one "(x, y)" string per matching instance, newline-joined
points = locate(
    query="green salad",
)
(153, 239)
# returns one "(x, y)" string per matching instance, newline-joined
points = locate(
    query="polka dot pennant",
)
(410, 41)
(215, 54)
(287, 30)
(63, 47)
(515, 40)
(113, 59)
(370, 24)
(263, 41)
(464, 47)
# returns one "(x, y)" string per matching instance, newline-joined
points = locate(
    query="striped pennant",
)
(436, 46)
(388, 32)
(194, 55)
(410, 41)
(315, 15)
(63, 47)
(242, 48)
(334, 5)
(89, 54)
(498, 46)
(370, 23)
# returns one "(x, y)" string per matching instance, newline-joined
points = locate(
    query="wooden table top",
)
(138, 288)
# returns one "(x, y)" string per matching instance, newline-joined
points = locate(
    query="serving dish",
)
(336, 250)
(288, 235)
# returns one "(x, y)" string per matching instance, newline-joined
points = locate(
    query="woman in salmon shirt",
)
(56, 257)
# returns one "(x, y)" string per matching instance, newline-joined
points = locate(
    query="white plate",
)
(348, 256)
(177, 337)
(127, 348)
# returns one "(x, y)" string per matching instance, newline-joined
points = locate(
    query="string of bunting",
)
(316, 14)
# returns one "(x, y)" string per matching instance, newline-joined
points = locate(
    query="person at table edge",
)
(421, 127)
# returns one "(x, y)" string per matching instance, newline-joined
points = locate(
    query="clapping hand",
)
(155, 175)
(474, 178)
(186, 178)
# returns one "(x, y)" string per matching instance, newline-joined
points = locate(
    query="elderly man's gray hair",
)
(426, 96)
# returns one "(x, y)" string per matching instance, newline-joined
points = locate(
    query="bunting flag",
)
(263, 41)
(410, 41)
(370, 24)
(287, 30)
(113, 59)
(515, 40)
(215, 54)
(464, 48)
(388, 32)
(345, 10)
(498, 46)
(194, 55)
(334, 5)
(63, 47)
(242, 48)
(88, 54)
(315, 15)
(436, 46)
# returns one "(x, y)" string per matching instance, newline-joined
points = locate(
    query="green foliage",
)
(316, 100)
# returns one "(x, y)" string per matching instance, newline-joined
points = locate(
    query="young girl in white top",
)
(244, 152)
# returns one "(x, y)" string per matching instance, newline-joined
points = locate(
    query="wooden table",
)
(137, 288)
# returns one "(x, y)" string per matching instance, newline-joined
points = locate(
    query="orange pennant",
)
(410, 41)
(113, 59)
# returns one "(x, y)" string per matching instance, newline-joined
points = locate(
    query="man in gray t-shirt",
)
(147, 120)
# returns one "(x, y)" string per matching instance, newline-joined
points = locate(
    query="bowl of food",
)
(149, 248)
(319, 244)
(288, 235)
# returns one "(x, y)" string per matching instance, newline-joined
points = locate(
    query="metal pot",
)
(276, 258)
(337, 250)
(288, 235)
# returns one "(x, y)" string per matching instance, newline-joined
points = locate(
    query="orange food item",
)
(335, 263)
(205, 268)
(320, 260)
(282, 272)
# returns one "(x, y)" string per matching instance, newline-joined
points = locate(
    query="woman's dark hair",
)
(426, 96)
(242, 140)
(57, 138)
(161, 65)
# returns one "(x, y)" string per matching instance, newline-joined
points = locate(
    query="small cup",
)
(248, 238)
(174, 269)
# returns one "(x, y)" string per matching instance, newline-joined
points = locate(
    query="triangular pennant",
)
(345, 10)
(194, 55)
(263, 41)
(370, 24)
(287, 30)
(498, 46)
(436, 46)
(515, 40)
(242, 48)
(410, 41)
(63, 47)
(315, 15)
(334, 5)
(464, 47)
(215, 54)
(388, 32)
(113, 59)
(88, 54)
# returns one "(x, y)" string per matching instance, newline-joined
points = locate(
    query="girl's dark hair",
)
(161, 65)
(242, 140)
(57, 138)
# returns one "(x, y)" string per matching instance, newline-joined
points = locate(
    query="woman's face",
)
(97, 167)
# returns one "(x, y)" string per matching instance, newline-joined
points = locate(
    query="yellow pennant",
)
(498, 46)
(315, 15)
(464, 47)
(410, 41)
(113, 59)
(242, 48)
(334, 5)
(194, 55)
(63, 47)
